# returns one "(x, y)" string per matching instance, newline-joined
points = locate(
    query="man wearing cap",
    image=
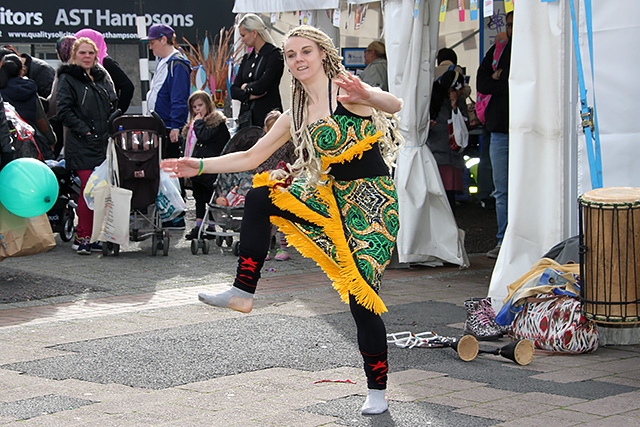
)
(169, 91)
(375, 73)
(170, 86)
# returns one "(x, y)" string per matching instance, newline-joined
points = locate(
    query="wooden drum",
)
(610, 255)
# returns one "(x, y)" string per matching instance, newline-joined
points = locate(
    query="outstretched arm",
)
(357, 93)
(233, 162)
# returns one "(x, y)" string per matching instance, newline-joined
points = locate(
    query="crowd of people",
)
(335, 141)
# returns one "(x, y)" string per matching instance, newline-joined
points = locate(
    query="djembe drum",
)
(610, 255)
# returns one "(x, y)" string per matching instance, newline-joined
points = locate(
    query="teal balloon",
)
(28, 187)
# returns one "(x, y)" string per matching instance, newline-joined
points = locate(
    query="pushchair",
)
(138, 141)
(63, 213)
(222, 223)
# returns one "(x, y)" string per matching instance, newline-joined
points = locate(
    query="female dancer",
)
(341, 206)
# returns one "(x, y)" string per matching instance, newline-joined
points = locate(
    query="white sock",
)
(376, 403)
(222, 299)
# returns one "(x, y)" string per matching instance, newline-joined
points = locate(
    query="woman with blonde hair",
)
(336, 203)
(257, 84)
(84, 101)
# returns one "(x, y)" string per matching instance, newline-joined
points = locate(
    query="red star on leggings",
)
(248, 264)
(380, 366)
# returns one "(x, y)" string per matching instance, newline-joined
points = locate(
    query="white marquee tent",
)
(548, 166)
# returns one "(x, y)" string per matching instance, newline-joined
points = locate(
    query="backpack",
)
(482, 99)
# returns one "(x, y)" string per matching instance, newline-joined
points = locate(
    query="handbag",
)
(482, 99)
(24, 236)
(555, 323)
(458, 132)
(112, 206)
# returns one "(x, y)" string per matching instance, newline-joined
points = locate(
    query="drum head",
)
(612, 195)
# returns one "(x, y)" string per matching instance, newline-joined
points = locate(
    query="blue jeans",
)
(499, 152)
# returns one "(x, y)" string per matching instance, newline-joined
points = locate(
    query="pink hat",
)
(97, 38)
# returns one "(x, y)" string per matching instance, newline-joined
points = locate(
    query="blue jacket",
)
(172, 102)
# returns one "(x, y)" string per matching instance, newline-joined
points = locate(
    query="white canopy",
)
(548, 166)
(268, 6)
(428, 230)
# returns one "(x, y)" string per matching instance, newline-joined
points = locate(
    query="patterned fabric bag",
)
(555, 323)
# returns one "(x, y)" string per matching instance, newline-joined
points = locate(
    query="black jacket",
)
(212, 135)
(263, 78)
(22, 93)
(40, 72)
(122, 83)
(84, 107)
(497, 113)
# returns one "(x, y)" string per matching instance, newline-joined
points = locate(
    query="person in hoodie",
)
(37, 70)
(123, 84)
(85, 99)
(22, 93)
(168, 96)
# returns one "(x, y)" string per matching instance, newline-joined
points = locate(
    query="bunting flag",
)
(443, 10)
(473, 10)
(508, 6)
(461, 10)
(488, 8)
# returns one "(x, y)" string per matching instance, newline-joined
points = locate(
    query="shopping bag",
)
(112, 205)
(169, 202)
(458, 132)
(111, 214)
(98, 178)
(555, 323)
(24, 236)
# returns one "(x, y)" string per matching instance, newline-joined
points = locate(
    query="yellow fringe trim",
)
(344, 274)
(352, 152)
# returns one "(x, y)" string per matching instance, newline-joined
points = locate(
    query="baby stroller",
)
(63, 213)
(223, 222)
(138, 141)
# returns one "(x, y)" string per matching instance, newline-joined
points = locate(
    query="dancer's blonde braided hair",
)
(307, 164)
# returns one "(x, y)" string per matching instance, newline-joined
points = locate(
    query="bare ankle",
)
(243, 305)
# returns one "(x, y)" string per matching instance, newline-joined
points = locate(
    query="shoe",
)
(268, 257)
(175, 224)
(96, 247)
(481, 320)
(76, 244)
(281, 255)
(85, 247)
(493, 253)
(193, 234)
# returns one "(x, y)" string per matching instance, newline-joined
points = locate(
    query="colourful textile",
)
(355, 223)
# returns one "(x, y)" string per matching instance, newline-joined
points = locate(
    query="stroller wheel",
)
(194, 247)
(235, 249)
(205, 246)
(219, 240)
(229, 240)
(68, 228)
(165, 246)
(154, 245)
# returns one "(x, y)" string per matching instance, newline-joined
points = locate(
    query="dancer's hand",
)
(356, 91)
(183, 167)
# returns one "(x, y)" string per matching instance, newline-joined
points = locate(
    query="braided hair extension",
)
(307, 164)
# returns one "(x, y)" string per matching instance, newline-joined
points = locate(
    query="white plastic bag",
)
(98, 179)
(458, 132)
(169, 202)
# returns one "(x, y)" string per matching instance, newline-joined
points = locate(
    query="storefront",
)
(35, 26)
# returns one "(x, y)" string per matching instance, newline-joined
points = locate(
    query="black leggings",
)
(255, 236)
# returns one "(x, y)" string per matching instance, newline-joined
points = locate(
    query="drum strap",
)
(587, 113)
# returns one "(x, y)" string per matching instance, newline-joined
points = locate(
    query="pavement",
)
(130, 345)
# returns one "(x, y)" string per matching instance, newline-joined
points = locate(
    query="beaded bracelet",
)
(201, 167)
